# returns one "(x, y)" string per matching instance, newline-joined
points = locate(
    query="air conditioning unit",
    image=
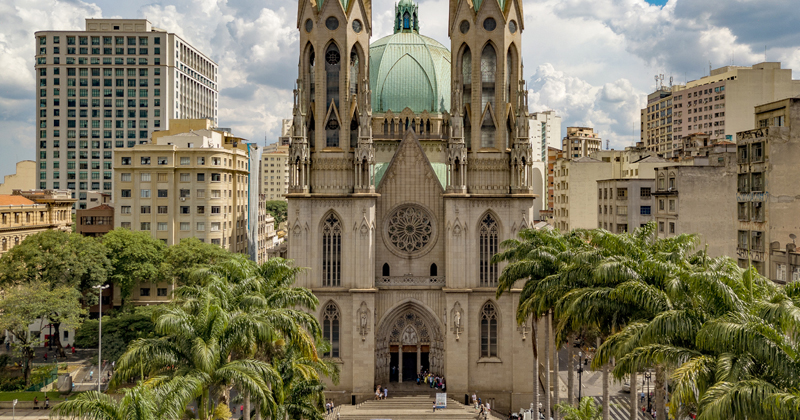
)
(183, 198)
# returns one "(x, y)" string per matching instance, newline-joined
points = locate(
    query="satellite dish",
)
(792, 236)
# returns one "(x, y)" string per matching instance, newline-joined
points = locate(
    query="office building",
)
(545, 131)
(719, 105)
(108, 88)
(580, 142)
(191, 184)
(767, 194)
(24, 213)
(624, 204)
(275, 166)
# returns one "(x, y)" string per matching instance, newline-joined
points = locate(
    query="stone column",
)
(400, 363)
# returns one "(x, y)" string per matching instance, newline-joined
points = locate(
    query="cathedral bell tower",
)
(331, 103)
(486, 115)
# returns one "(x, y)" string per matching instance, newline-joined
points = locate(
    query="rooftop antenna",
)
(670, 81)
(656, 77)
(709, 67)
(608, 147)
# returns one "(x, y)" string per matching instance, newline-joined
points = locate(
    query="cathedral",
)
(409, 164)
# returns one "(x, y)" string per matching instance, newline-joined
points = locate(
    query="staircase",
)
(417, 407)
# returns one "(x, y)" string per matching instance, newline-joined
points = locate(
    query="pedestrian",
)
(385, 393)
(241, 409)
(91, 374)
(434, 407)
(378, 393)
(488, 407)
(328, 407)
(474, 400)
(46, 402)
(45, 357)
(113, 364)
(73, 349)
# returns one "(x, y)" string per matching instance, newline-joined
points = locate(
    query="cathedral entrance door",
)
(394, 364)
(409, 363)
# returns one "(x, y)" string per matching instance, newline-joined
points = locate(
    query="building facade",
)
(23, 179)
(275, 171)
(624, 204)
(108, 88)
(402, 183)
(766, 196)
(545, 132)
(24, 213)
(580, 142)
(682, 195)
(192, 184)
(719, 105)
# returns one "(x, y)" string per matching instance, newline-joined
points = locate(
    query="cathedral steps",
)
(407, 408)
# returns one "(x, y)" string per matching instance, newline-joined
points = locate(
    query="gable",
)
(409, 166)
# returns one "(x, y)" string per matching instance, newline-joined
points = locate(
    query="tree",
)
(279, 210)
(135, 257)
(587, 410)
(30, 303)
(58, 259)
(185, 258)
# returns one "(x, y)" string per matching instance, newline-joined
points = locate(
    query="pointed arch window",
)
(332, 251)
(332, 66)
(330, 328)
(406, 20)
(487, 248)
(488, 330)
(488, 70)
(466, 94)
(311, 96)
(386, 271)
(434, 270)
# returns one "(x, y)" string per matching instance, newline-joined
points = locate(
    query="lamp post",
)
(647, 376)
(580, 374)
(50, 337)
(100, 337)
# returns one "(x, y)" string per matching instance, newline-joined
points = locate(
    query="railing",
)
(388, 281)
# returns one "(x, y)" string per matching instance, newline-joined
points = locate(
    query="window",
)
(161, 291)
(330, 328)
(215, 177)
(161, 160)
(185, 161)
(125, 193)
(145, 160)
(215, 226)
(645, 210)
(201, 226)
(184, 209)
(672, 205)
(144, 177)
(163, 209)
(201, 177)
(125, 209)
(145, 226)
(661, 226)
(671, 227)
(144, 291)
(331, 251)
(757, 241)
(162, 226)
(144, 193)
(144, 210)
(126, 161)
(743, 211)
(622, 193)
(661, 205)
(162, 193)
(744, 183)
(487, 249)
(185, 177)
(488, 330)
(743, 239)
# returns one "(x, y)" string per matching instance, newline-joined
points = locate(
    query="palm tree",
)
(587, 410)
(138, 403)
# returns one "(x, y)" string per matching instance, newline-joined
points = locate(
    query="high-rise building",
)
(191, 184)
(580, 142)
(545, 130)
(108, 88)
(719, 105)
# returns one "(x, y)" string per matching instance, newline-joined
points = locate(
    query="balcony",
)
(408, 280)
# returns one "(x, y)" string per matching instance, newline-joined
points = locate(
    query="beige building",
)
(689, 198)
(23, 179)
(719, 105)
(575, 198)
(580, 142)
(108, 88)
(624, 204)
(275, 169)
(767, 203)
(402, 184)
(191, 184)
(24, 213)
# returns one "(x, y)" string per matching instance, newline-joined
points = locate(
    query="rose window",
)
(410, 229)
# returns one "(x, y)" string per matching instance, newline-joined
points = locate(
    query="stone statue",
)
(457, 319)
(409, 336)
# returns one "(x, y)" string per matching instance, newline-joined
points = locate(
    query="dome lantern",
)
(406, 17)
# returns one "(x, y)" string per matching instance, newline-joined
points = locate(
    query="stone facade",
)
(398, 233)
(24, 213)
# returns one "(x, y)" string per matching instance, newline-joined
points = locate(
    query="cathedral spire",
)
(406, 17)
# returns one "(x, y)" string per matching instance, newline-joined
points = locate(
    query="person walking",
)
(46, 402)
(474, 400)
(385, 393)
(45, 357)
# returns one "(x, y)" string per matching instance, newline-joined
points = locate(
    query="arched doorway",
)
(409, 340)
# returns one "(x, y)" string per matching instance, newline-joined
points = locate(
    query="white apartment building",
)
(545, 131)
(275, 165)
(109, 87)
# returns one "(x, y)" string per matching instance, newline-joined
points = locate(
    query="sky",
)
(592, 61)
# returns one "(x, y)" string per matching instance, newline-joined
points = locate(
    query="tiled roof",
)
(14, 200)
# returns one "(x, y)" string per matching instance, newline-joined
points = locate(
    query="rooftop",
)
(14, 200)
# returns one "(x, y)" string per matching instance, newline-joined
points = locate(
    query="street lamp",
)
(100, 337)
(580, 374)
(50, 337)
(647, 376)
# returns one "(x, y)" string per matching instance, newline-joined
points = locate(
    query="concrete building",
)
(275, 172)
(575, 202)
(624, 204)
(23, 179)
(580, 142)
(545, 129)
(719, 105)
(689, 197)
(191, 184)
(553, 155)
(24, 213)
(401, 188)
(95, 221)
(766, 197)
(122, 80)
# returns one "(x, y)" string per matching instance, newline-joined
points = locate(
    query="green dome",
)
(407, 69)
